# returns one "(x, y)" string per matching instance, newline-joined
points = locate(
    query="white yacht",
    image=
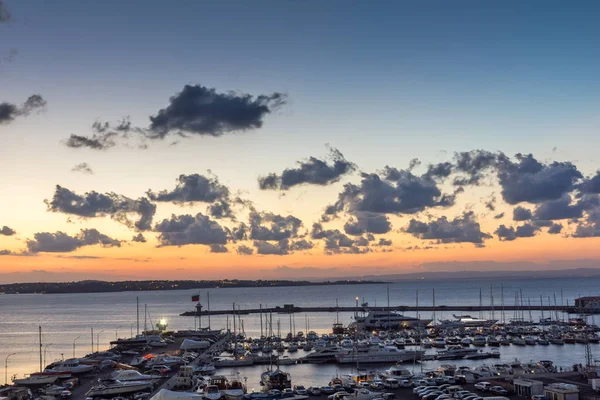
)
(35, 380)
(397, 372)
(71, 365)
(387, 354)
(479, 340)
(466, 321)
(126, 375)
(112, 387)
(325, 354)
(389, 320)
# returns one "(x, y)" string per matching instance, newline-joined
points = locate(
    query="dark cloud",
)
(499, 216)
(528, 180)
(312, 171)
(60, 242)
(414, 163)
(558, 209)
(336, 242)
(521, 214)
(269, 226)
(491, 204)
(192, 188)
(84, 168)
(279, 248)
(461, 229)
(301, 244)
(368, 222)
(587, 230)
(239, 232)
(395, 192)
(5, 15)
(508, 234)
(139, 238)
(6, 231)
(473, 165)
(221, 209)
(218, 248)
(94, 204)
(104, 135)
(6, 253)
(245, 250)
(555, 229)
(384, 242)
(203, 111)
(181, 230)
(9, 112)
(440, 170)
(591, 185)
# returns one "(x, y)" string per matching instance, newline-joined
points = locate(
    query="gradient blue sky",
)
(383, 81)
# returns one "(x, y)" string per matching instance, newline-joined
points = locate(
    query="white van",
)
(453, 389)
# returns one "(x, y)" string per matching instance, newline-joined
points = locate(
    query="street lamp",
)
(117, 332)
(6, 368)
(74, 340)
(45, 347)
(98, 340)
(356, 312)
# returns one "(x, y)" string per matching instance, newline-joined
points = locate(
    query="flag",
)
(196, 297)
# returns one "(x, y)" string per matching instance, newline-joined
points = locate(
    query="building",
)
(528, 387)
(588, 302)
(561, 391)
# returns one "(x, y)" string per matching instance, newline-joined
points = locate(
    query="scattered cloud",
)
(510, 233)
(94, 204)
(367, 222)
(60, 242)
(192, 188)
(461, 229)
(313, 171)
(9, 112)
(218, 248)
(139, 238)
(182, 230)
(521, 214)
(245, 250)
(6, 231)
(84, 168)
(274, 227)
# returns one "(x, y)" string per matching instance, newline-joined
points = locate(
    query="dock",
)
(403, 309)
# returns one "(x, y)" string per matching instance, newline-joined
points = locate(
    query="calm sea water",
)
(68, 318)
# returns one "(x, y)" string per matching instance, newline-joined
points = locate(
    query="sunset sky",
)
(266, 139)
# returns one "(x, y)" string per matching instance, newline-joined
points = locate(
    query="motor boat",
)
(479, 341)
(466, 321)
(235, 389)
(126, 375)
(324, 354)
(397, 372)
(212, 392)
(71, 365)
(276, 379)
(386, 354)
(389, 320)
(112, 387)
(233, 362)
(439, 343)
(36, 380)
(103, 355)
(165, 359)
(205, 369)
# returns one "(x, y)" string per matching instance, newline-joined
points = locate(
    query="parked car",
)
(376, 385)
(498, 390)
(300, 390)
(405, 383)
(338, 388)
(314, 391)
(483, 386)
(327, 390)
(417, 388)
(287, 392)
(338, 396)
(66, 394)
(391, 383)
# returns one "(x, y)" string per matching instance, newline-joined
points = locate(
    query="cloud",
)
(499, 216)
(528, 180)
(60, 242)
(368, 222)
(6, 253)
(461, 229)
(181, 230)
(521, 214)
(192, 188)
(93, 204)
(280, 248)
(472, 165)
(96, 142)
(139, 238)
(269, 226)
(384, 242)
(84, 168)
(9, 112)
(558, 209)
(218, 248)
(245, 250)
(591, 185)
(555, 229)
(510, 233)
(104, 135)
(6, 231)
(204, 111)
(393, 191)
(5, 15)
(312, 171)
(338, 243)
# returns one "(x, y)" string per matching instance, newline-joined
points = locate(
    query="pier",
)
(440, 308)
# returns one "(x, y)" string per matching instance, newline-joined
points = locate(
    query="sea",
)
(67, 320)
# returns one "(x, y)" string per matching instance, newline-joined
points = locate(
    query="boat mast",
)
(433, 291)
(492, 299)
(208, 305)
(388, 306)
(502, 301)
(145, 321)
(234, 335)
(40, 331)
(261, 320)
(137, 303)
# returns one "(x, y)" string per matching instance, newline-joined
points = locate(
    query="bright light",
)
(162, 322)
(356, 298)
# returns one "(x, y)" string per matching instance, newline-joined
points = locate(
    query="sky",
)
(266, 139)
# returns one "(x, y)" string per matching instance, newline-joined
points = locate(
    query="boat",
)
(235, 389)
(388, 320)
(212, 392)
(479, 341)
(324, 354)
(126, 375)
(363, 394)
(455, 353)
(233, 362)
(276, 379)
(36, 380)
(205, 369)
(439, 343)
(165, 394)
(112, 387)
(386, 354)
(71, 365)
(530, 340)
(466, 321)
(397, 372)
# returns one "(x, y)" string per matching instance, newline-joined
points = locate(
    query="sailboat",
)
(40, 378)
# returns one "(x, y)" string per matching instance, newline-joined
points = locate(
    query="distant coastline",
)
(94, 286)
